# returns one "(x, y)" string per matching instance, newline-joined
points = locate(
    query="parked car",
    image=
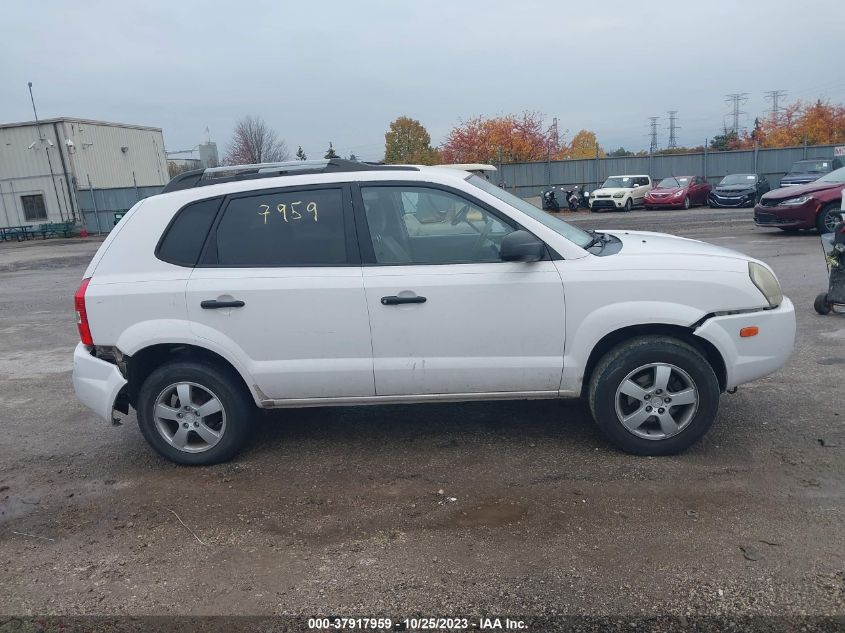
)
(278, 286)
(678, 192)
(739, 190)
(620, 192)
(810, 206)
(805, 171)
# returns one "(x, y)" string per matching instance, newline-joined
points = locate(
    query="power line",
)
(774, 96)
(673, 139)
(653, 133)
(736, 99)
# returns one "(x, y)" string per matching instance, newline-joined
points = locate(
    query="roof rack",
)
(233, 173)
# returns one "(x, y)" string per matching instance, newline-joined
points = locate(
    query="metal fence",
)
(101, 208)
(528, 179)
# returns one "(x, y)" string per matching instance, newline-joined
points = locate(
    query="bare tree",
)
(253, 141)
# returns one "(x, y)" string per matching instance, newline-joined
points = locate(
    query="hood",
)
(611, 190)
(785, 193)
(734, 188)
(666, 190)
(800, 178)
(649, 244)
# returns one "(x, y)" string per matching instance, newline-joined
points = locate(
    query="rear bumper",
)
(96, 382)
(748, 359)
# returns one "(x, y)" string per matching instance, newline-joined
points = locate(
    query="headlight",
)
(621, 194)
(678, 193)
(796, 201)
(768, 284)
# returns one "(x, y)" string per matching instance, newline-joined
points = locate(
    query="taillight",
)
(82, 314)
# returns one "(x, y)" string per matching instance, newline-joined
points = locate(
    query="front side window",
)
(33, 207)
(283, 228)
(420, 225)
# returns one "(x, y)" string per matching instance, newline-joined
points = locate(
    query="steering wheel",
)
(461, 215)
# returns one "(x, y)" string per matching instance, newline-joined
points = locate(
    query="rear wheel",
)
(826, 221)
(193, 413)
(653, 395)
(821, 304)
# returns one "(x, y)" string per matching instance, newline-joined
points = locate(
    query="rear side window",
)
(283, 228)
(183, 240)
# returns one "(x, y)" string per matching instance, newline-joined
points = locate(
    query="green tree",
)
(725, 141)
(408, 142)
(300, 155)
(352, 156)
(331, 153)
(620, 152)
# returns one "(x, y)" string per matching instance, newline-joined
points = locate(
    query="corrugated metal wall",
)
(528, 179)
(108, 203)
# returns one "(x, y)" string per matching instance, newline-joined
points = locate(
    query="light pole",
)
(46, 151)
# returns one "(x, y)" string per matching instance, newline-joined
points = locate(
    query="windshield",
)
(573, 234)
(616, 182)
(739, 179)
(668, 183)
(837, 175)
(810, 167)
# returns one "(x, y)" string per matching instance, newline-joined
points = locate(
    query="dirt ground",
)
(509, 507)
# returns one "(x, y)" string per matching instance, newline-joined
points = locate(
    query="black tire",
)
(822, 218)
(227, 386)
(629, 204)
(822, 305)
(618, 363)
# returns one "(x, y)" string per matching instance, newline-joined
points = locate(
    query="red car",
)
(678, 192)
(807, 206)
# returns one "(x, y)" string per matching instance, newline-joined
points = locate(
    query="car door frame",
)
(368, 260)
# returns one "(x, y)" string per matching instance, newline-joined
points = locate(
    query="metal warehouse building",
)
(64, 169)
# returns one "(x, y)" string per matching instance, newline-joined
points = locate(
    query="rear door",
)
(447, 315)
(290, 257)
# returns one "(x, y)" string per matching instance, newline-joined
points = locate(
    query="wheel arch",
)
(146, 360)
(685, 334)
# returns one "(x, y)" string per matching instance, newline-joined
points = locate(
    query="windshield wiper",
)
(595, 239)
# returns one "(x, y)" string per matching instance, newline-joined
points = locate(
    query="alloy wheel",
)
(656, 401)
(189, 417)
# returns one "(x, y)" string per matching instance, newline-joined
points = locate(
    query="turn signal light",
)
(751, 330)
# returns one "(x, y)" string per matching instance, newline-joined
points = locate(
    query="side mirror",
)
(521, 246)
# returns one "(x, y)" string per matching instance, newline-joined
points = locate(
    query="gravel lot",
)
(347, 510)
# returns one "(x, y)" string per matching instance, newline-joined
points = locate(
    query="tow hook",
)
(732, 391)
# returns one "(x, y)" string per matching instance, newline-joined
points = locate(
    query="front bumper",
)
(802, 216)
(728, 201)
(748, 359)
(669, 202)
(607, 203)
(96, 382)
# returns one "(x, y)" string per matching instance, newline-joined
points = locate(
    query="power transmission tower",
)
(774, 96)
(736, 100)
(653, 133)
(673, 139)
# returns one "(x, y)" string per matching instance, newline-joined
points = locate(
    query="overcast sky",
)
(341, 71)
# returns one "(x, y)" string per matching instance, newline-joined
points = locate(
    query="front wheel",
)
(194, 413)
(628, 205)
(654, 396)
(822, 305)
(686, 203)
(826, 220)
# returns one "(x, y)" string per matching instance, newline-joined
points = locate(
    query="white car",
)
(621, 193)
(302, 285)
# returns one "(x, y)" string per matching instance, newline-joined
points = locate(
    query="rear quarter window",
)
(184, 237)
(283, 228)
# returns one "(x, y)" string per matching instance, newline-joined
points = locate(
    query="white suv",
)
(621, 193)
(343, 283)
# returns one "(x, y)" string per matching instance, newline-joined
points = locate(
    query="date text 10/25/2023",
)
(416, 624)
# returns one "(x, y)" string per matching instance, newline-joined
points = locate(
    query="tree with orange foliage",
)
(507, 139)
(819, 123)
(584, 145)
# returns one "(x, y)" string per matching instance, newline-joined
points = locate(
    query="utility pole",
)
(673, 139)
(653, 133)
(736, 100)
(774, 96)
(45, 143)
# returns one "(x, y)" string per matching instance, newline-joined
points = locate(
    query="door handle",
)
(393, 300)
(213, 304)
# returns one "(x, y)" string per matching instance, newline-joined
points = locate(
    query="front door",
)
(280, 287)
(447, 315)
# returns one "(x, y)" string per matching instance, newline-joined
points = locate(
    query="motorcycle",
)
(584, 201)
(549, 199)
(573, 198)
(833, 246)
